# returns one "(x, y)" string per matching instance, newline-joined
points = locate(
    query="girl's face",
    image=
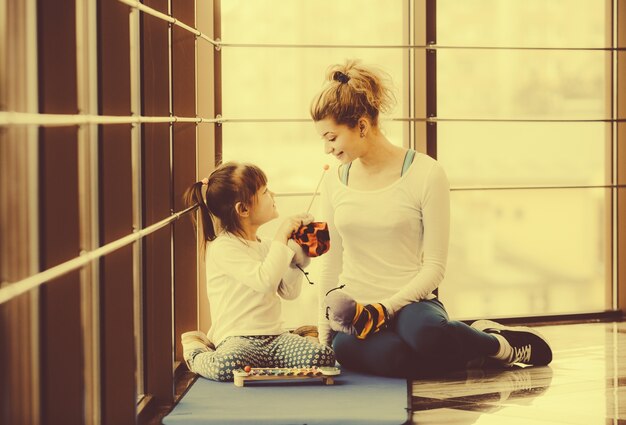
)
(264, 208)
(340, 140)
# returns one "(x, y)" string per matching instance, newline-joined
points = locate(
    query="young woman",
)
(245, 277)
(388, 214)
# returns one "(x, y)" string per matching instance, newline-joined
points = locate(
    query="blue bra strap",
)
(408, 160)
(345, 170)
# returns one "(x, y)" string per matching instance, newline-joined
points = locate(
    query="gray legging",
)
(420, 341)
(236, 352)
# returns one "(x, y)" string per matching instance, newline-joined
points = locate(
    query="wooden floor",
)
(585, 384)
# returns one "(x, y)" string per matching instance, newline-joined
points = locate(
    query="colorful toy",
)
(247, 374)
(314, 238)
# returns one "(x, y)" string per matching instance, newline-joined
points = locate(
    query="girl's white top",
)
(244, 281)
(388, 245)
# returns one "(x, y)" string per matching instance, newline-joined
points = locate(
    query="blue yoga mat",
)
(353, 399)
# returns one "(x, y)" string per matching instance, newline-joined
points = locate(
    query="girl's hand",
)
(300, 258)
(290, 225)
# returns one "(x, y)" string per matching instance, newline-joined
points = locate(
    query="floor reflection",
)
(585, 384)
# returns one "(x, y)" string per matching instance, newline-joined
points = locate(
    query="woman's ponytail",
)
(353, 91)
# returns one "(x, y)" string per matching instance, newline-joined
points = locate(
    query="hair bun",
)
(341, 77)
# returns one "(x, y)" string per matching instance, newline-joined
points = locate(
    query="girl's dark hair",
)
(228, 184)
(353, 91)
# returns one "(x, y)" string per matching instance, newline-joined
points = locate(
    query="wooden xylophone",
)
(326, 374)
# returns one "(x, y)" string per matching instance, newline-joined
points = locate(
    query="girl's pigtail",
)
(193, 196)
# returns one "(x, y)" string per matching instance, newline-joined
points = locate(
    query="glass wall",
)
(531, 251)
(278, 83)
(520, 98)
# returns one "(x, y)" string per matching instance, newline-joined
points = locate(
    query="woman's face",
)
(340, 140)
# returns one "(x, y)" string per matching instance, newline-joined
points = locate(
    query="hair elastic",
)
(341, 77)
(205, 181)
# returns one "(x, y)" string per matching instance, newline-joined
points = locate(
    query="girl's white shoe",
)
(194, 342)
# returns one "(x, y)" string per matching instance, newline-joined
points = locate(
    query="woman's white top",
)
(388, 245)
(244, 280)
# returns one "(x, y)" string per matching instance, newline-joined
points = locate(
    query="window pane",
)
(281, 82)
(491, 154)
(312, 21)
(275, 83)
(291, 153)
(553, 23)
(527, 252)
(523, 84)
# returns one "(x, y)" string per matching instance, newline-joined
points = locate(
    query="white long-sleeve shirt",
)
(388, 245)
(244, 281)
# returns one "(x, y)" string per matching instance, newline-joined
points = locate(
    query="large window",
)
(522, 89)
(546, 248)
(278, 83)
(518, 100)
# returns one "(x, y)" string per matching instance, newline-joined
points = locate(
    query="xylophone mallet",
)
(326, 167)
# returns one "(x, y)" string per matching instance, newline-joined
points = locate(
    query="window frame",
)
(35, 323)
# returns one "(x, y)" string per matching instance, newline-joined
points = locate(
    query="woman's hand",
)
(290, 225)
(350, 317)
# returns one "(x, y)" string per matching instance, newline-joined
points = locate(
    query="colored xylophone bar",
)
(325, 374)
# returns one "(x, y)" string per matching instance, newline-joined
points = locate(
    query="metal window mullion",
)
(412, 77)
(217, 80)
(136, 170)
(16, 288)
(136, 4)
(418, 79)
(19, 189)
(197, 148)
(32, 135)
(65, 120)
(415, 46)
(205, 143)
(619, 22)
(69, 120)
(32, 105)
(408, 33)
(612, 162)
(170, 36)
(431, 78)
(87, 92)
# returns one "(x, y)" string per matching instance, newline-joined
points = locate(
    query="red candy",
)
(247, 369)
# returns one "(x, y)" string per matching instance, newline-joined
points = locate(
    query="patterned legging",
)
(236, 352)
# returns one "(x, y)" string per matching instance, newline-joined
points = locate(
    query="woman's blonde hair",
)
(353, 91)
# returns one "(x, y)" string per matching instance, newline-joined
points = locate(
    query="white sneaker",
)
(194, 342)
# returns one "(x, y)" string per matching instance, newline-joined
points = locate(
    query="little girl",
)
(245, 277)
